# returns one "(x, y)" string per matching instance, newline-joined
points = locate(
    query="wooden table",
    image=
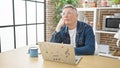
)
(19, 58)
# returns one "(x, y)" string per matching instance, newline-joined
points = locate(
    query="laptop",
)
(58, 52)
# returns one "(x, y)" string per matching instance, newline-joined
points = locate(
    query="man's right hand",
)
(60, 24)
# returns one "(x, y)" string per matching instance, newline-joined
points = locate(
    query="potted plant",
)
(115, 1)
(58, 8)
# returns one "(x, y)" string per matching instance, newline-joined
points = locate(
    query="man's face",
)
(69, 15)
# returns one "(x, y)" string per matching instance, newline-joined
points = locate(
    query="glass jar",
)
(85, 4)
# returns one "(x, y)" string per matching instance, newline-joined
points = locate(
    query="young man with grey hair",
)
(71, 31)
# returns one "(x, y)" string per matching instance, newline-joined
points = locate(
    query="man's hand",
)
(60, 24)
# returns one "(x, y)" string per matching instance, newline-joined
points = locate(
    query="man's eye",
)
(67, 13)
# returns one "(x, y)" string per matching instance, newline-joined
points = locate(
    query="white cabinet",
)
(96, 12)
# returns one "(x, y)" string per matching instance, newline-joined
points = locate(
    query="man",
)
(71, 31)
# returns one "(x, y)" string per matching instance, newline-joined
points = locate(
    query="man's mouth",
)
(66, 19)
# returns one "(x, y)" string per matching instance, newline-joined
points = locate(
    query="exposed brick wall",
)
(89, 15)
(108, 39)
(50, 26)
(104, 38)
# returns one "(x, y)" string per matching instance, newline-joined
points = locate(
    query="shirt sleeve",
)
(89, 47)
(56, 37)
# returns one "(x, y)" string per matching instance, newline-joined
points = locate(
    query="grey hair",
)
(69, 6)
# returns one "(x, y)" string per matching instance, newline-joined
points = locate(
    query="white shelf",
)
(108, 32)
(86, 9)
(93, 9)
(108, 8)
(109, 55)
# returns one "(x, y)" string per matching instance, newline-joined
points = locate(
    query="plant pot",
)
(114, 5)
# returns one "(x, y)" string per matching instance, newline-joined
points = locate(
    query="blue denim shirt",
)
(85, 39)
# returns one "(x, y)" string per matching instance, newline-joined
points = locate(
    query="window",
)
(22, 23)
